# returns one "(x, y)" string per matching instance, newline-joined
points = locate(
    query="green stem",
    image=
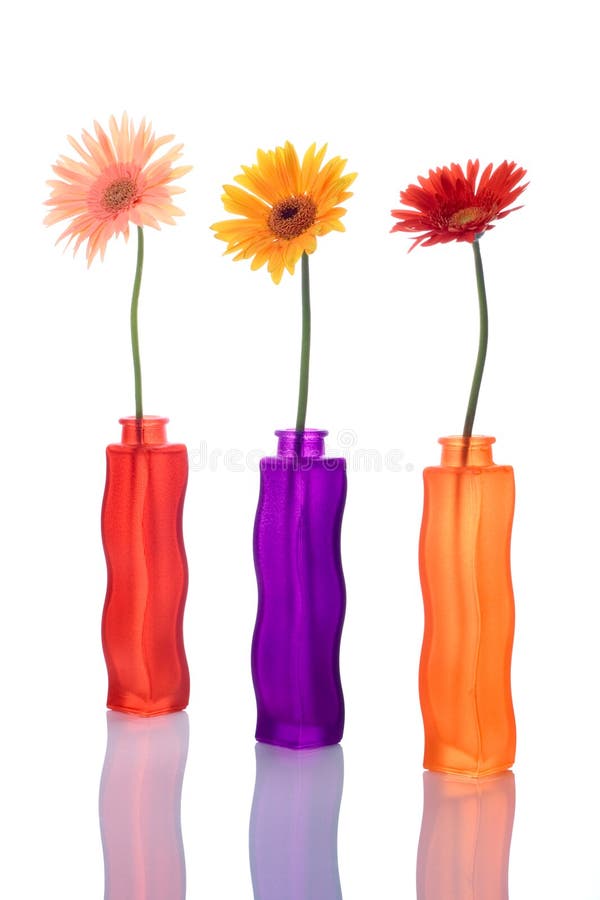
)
(135, 340)
(305, 354)
(483, 340)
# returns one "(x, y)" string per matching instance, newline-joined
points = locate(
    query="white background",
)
(396, 88)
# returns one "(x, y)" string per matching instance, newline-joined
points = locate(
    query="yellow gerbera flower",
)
(285, 206)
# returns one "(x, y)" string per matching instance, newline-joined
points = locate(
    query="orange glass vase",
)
(142, 624)
(464, 560)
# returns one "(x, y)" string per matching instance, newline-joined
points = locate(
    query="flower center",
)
(465, 216)
(119, 195)
(292, 216)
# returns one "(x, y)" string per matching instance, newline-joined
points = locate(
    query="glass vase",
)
(301, 594)
(142, 623)
(464, 677)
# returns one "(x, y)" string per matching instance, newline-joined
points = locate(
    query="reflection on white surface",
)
(465, 838)
(293, 825)
(140, 807)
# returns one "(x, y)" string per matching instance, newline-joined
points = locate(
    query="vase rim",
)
(460, 452)
(146, 420)
(307, 444)
(149, 430)
(458, 440)
(308, 432)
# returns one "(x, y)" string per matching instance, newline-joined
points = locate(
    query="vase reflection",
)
(140, 807)
(294, 821)
(466, 831)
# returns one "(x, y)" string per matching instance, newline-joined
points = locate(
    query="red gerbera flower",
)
(450, 206)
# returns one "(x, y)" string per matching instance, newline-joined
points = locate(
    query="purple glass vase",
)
(301, 594)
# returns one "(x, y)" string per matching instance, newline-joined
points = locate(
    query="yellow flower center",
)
(119, 195)
(292, 216)
(465, 216)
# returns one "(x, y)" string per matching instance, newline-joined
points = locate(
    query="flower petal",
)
(449, 205)
(269, 194)
(120, 161)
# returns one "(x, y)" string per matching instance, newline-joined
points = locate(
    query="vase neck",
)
(301, 444)
(148, 430)
(472, 451)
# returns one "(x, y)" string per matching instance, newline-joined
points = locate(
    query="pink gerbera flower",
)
(114, 183)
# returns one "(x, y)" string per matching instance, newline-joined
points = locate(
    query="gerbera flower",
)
(450, 206)
(114, 183)
(284, 206)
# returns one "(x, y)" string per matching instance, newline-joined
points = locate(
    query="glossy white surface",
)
(397, 88)
(294, 823)
(140, 806)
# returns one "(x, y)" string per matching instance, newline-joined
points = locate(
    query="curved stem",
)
(483, 341)
(305, 354)
(135, 340)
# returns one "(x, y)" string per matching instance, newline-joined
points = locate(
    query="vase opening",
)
(301, 444)
(460, 451)
(148, 430)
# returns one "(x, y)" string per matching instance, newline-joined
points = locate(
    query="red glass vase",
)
(142, 624)
(464, 678)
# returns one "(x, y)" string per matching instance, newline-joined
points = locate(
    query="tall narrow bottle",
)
(301, 594)
(464, 678)
(142, 624)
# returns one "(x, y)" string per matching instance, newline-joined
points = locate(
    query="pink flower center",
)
(120, 194)
(292, 217)
(465, 216)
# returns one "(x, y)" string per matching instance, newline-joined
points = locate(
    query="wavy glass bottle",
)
(301, 594)
(464, 678)
(142, 624)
